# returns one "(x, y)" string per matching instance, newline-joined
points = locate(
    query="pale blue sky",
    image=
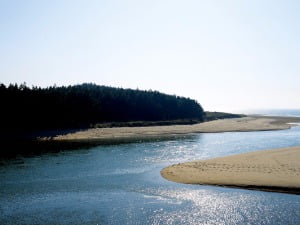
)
(229, 55)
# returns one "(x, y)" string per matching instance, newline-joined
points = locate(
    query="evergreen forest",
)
(26, 108)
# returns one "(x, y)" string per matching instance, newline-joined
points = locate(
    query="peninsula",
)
(269, 170)
(251, 123)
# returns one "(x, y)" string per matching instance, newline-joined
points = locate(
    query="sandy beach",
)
(253, 123)
(270, 170)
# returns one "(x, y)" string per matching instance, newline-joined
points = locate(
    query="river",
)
(121, 184)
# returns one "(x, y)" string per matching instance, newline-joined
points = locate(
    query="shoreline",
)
(245, 124)
(283, 190)
(276, 170)
(74, 139)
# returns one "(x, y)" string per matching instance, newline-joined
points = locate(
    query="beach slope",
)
(270, 170)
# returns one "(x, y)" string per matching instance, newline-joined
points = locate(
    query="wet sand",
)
(270, 170)
(253, 123)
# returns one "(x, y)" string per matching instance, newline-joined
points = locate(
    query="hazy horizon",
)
(230, 56)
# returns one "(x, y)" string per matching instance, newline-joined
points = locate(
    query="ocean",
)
(277, 112)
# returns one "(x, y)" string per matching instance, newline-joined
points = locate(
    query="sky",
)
(229, 55)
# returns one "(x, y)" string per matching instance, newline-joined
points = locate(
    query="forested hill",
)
(83, 105)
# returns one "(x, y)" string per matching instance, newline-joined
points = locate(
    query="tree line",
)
(76, 106)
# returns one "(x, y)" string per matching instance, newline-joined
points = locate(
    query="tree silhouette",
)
(76, 106)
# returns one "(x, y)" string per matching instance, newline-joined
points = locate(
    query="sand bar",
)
(270, 170)
(253, 123)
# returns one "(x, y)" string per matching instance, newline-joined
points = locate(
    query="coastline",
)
(276, 170)
(74, 139)
(120, 134)
(91, 137)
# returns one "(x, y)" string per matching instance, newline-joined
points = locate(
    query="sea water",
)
(121, 184)
(276, 112)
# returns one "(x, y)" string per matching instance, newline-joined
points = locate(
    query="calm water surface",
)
(121, 184)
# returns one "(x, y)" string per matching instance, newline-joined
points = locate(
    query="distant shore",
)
(250, 123)
(275, 170)
(76, 139)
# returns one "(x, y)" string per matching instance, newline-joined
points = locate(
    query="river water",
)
(121, 184)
